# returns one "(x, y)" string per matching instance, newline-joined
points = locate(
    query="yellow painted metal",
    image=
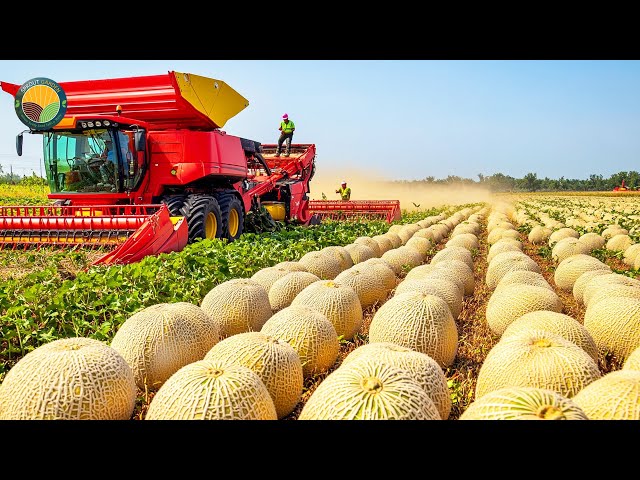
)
(66, 122)
(210, 226)
(212, 97)
(234, 222)
(275, 209)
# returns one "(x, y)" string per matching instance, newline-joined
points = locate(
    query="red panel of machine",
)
(193, 155)
(153, 99)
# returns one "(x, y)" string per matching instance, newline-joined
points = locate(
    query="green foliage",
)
(545, 252)
(52, 302)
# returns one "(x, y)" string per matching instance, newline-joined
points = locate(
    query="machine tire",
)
(203, 216)
(174, 203)
(232, 213)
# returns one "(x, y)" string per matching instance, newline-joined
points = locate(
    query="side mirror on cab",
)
(140, 140)
(19, 140)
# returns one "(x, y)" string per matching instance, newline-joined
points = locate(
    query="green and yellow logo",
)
(40, 103)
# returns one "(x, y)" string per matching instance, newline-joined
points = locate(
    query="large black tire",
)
(203, 216)
(174, 203)
(232, 213)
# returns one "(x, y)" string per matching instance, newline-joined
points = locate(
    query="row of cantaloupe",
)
(151, 334)
(545, 362)
(415, 330)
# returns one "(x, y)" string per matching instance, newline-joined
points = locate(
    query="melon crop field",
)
(520, 306)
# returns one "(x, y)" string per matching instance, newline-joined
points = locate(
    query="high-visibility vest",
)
(345, 193)
(287, 127)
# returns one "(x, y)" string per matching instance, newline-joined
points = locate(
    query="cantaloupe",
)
(614, 324)
(453, 253)
(369, 390)
(395, 240)
(539, 235)
(468, 226)
(402, 259)
(275, 361)
(371, 243)
(422, 245)
(440, 231)
(566, 247)
(504, 245)
(615, 396)
(523, 403)
(425, 233)
(619, 242)
(160, 339)
(569, 269)
(631, 253)
(513, 301)
(536, 358)
(440, 287)
(69, 379)
(291, 266)
(341, 253)
(612, 231)
(523, 277)
(425, 370)
(466, 240)
(495, 234)
(238, 305)
(418, 321)
(562, 233)
(614, 290)
(407, 231)
(339, 303)
(558, 323)
(633, 360)
(359, 252)
(367, 284)
(384, 243)
(592, 240)
(268, 275)
(464, 272)
(322, 264)
(581, 282)
(285, 289)
(427, 271)
(212, 390)
(507, 262)
(382, 268)
(310, 333)
(598, 284)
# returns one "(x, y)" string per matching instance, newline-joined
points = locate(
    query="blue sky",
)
(403, 119)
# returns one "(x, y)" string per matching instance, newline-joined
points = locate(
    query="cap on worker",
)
(344, 182)
(285, 116)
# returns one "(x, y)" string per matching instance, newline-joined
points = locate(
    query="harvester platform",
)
(127, 232)
(387, 210)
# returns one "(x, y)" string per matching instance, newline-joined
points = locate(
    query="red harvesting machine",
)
(140, 165)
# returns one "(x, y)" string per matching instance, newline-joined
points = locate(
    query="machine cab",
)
(94, 157)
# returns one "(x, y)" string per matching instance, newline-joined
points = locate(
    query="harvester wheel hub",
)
(234, 222)
(210, 226)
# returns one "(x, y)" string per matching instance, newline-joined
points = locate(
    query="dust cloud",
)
(413, 196)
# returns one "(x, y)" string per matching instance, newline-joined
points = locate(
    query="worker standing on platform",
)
(344, 191)
(287, 127)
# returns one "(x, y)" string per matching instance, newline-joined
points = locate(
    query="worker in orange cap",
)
(286, 128)
(344, 191)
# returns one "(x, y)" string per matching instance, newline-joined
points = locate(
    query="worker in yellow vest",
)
(286, 128)
(344, 191)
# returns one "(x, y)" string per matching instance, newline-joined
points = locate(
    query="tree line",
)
(531, 183)
(497, 182)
